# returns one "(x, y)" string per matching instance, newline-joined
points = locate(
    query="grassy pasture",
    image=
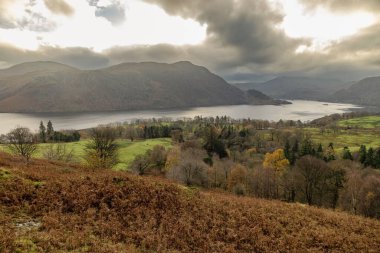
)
(127, 152)
(352, 138)
(362, 122)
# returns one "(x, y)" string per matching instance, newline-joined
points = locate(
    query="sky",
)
(241, 40)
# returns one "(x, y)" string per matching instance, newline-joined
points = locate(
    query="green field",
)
(362, 122)
(347, 138)
(127, 152)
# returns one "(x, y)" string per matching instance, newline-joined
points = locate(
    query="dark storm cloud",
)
(247, 25)
(59, 7)
(247, 30)
(82, 58)
(115, 12)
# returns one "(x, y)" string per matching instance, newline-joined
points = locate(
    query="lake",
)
(300, 110)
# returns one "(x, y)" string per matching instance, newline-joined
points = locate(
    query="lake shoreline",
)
(303, 110)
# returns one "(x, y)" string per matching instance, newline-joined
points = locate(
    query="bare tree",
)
(191, 169)
(22, 142)
(101, 151)
(140, 165)
(58, 152)
(312, 174)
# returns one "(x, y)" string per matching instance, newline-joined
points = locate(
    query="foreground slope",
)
(57, 208)
(53, 87)
(364, 92)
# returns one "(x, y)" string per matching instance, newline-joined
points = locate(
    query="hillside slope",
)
(297, 87)
(364, 92)
(48, 207)
(53, 87)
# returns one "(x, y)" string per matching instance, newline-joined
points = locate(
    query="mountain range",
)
(307, 88)
(55, 87)
(364, 92)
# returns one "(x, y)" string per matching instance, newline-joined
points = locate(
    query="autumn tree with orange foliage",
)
(276, 161)
(237, 181)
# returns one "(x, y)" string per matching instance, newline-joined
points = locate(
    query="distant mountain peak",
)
(42, 66)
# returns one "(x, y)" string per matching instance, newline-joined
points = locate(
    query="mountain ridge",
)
(295, 87)
(55, 87)
(364, 92)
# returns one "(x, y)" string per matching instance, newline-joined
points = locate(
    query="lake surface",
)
(299, 110)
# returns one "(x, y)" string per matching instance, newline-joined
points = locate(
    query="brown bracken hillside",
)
(50, 207)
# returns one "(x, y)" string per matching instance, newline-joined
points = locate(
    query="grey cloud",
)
(250, 44)
(242, 43)
(115, 12)
(217, 59)
(77, 57)
(248, 25)
(59, 7)
(36, 22)
(29, 20)
(344, 5)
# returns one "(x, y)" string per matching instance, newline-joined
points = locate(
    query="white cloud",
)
(145, 24)
(320, 25)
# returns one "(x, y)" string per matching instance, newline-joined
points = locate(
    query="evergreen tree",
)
(319, 153)
(49, 130)
(294, 153)
(42, 132)
(287, 150)
(369, 160)
(362, 154)
(330, 153)
(307, 147)
(377, 158)
(347, 154)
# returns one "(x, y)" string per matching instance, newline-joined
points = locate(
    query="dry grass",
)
(51, 207)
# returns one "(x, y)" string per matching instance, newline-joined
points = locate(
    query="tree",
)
(212, 143)
(276, 161)
(140, 165)
(362, 154)
(312, 174)
(42, 132)
(49, 130)
(370, 157)
(220, 172)
(191, 169)
(377, 158)
(307, 147)
(347, 154)
(237, 180)
(101, 151)
(287, 151)
(336, 180)
(58, 152)
(330, 153)
(152, 161)
(319, 153)
(22, 142)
